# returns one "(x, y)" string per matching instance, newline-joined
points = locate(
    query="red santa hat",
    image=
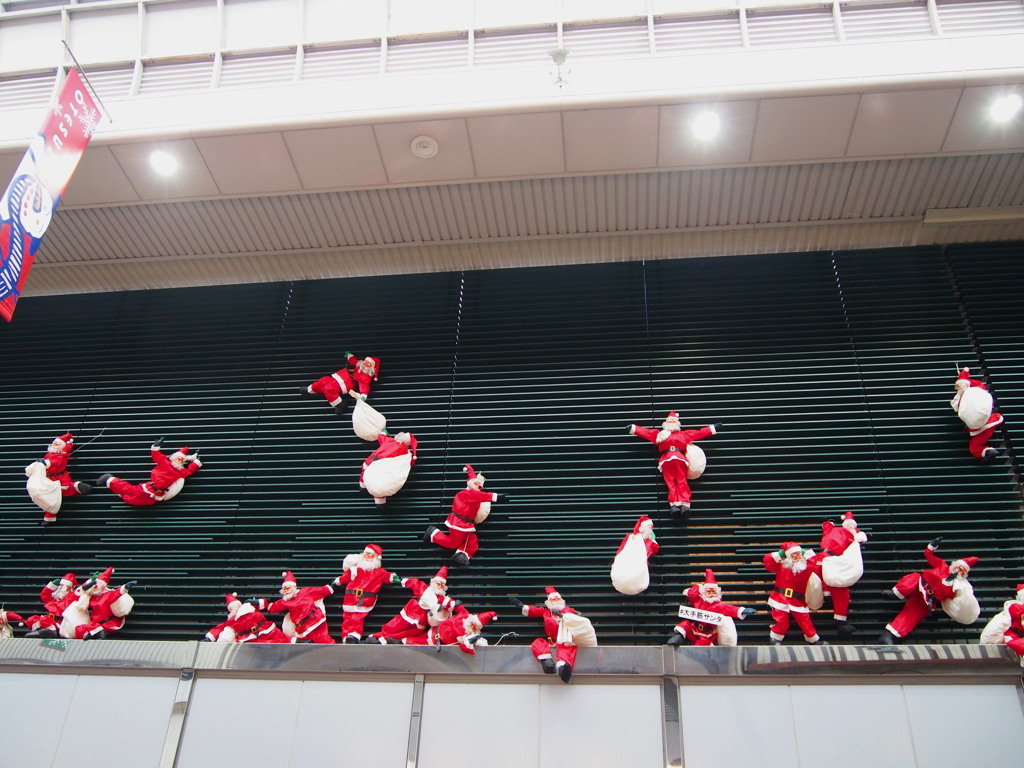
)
(970, 562)
(552, 594)
(9, 617)
(848, 522)
(288, 579)
(232, 602)
(106, 575)
(644, 519)
(69, 580)
(709, 578)
(486, 616)
(472, 478)
(180, 453)
(377, 551)
(64, 439)
(441, 575)
(789, 547)
(965, 377)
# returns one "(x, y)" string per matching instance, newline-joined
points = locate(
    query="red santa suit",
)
(793, 569)
(107, 608)
(56, 462)
(706, 597)
(362, 579)
(428, 607)
(463, 629)
(304, 609)
(245, 624)
(671, 442)
(1014, 635)
(461, 521)
(166, 472)
(365, 371)
(836, 540)
(565, 653)
(387, 448)
(333, 388)
(923, 592)
(980, 433)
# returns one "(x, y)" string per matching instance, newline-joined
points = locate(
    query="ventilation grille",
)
(363, 61)
(419, 56)
(830, 373)
(678, 37)
(162, 79)
(608, 42)
(262, 69)
(793, 28)
(498, 49)
(978, 18)
(862, 23)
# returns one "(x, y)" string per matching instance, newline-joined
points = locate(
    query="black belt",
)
(830, 552)
(359, 594)
(787, 592)
(464, 518)
(670, 449)
(307, 617)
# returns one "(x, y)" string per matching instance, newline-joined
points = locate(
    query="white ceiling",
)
(852, 168)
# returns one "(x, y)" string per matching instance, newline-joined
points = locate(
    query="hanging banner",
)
(31, 199)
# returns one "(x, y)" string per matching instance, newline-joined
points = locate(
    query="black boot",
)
(548, 666)
(460, 559)
(887, 638)
(845, 628)
(84, 489)
(103, 479)
(565, 672)
(340, 409)
(676, 639)
(100, 634)
(431, 530)
(48, 633)
(888, 594)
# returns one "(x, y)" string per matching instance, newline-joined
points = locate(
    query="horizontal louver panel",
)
(831, 375)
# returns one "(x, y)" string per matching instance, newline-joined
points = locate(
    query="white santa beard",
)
(710, 598)
(798, 566)
(555, 605)
(370, 565)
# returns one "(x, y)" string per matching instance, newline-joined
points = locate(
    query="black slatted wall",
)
(831, 373)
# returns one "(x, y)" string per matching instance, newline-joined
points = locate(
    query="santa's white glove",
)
(194, 458)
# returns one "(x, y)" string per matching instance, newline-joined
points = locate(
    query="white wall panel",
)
(30, 43)
(108, 35)
(737, 726)
(505, 715)
(260, 23)
(852, 726)
(601, 725)
(294, 723)
(181, 29)
(965, 725)
(33, 704)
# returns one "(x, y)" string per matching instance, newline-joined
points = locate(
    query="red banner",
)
(31, 199)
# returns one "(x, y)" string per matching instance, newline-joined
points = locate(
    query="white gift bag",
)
(483, 512)
(630, 575)
(697, 461)
(964, 608)
(576, 630)
(993, 632)
(975, 407)
(367, 421)
(727, 634)
(843, 570)
(385, 477)
(41, 489)
(815, 594)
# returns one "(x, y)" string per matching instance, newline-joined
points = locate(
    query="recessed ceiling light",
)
(163, 162)
(424, 147)
(1005, 107)
(706, 125)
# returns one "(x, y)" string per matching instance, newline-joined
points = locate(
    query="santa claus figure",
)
(51, 482)
(557, 651)
(245, 624)
(55, 596)
(7, 620)
(973, 404)
(99, 610)
(362, 577)
(464, 629)
(630, 574)
(941, 585)
(365, 371)
(997, 627)
(429, 606)
(1013, 635)
(305, 618)
(385, 470)
(469, 507)
(708, 620)
(673, 443)
(793, 571)
(166, 479)
(841, 566)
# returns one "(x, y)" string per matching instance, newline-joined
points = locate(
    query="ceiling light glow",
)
(163, 162)
(1006, 107)
(706, 125)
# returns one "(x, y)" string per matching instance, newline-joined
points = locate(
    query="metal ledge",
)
(982, 663)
